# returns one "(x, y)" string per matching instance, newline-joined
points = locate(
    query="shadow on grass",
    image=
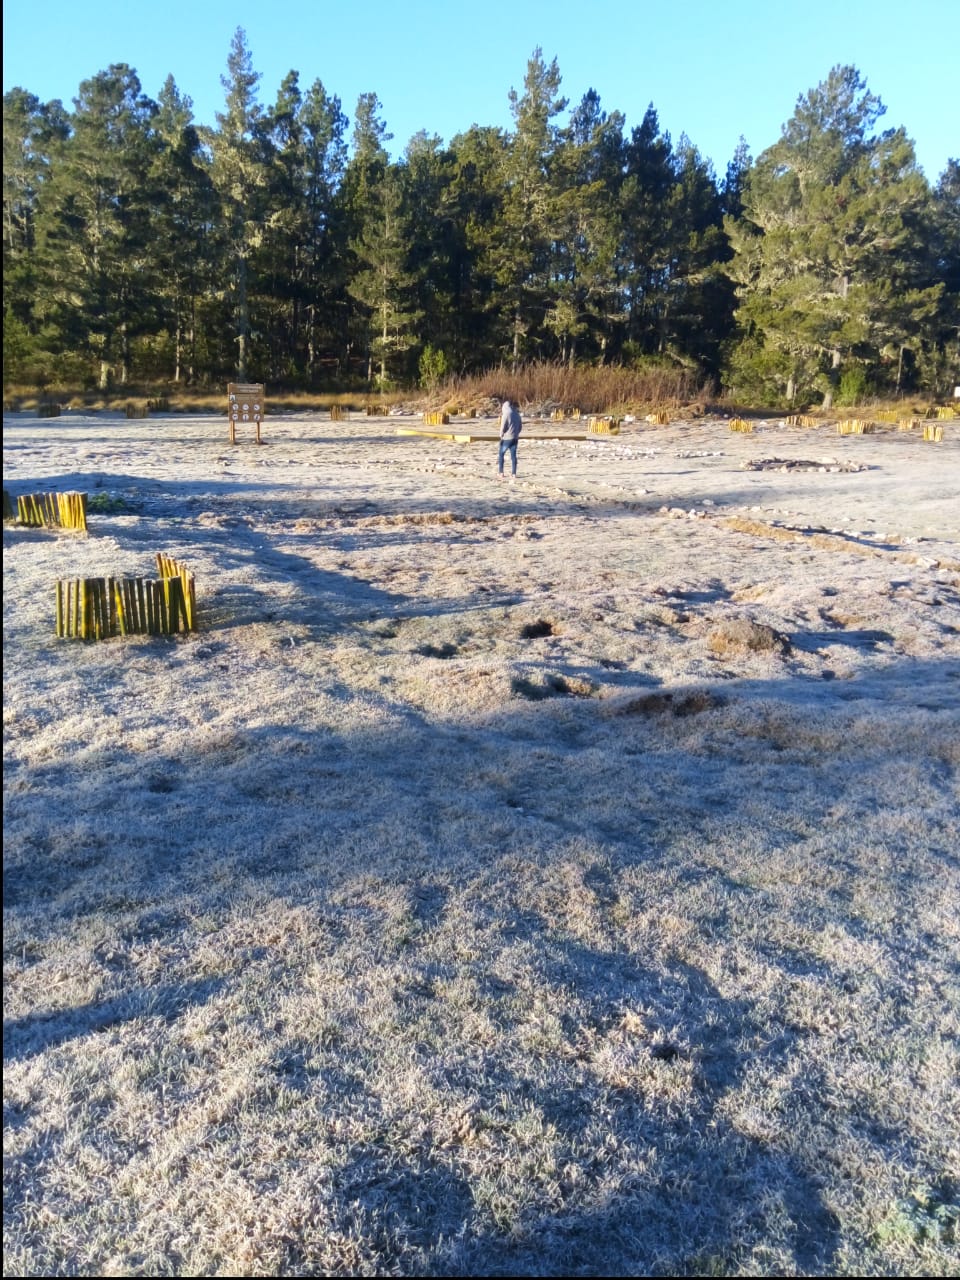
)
(34, 1034)
(428, 808)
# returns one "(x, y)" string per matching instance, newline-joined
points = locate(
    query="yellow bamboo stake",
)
(161, 605)
(118, 609)
(170, 604)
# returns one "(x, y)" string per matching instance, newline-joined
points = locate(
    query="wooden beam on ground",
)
(473, 438)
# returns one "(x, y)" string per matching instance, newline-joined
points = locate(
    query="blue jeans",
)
(505, 447)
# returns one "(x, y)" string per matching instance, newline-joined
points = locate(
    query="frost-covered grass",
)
(453, 902)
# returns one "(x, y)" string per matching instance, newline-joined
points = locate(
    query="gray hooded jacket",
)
(510, 422)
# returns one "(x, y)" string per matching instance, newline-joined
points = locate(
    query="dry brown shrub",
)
(586, 387)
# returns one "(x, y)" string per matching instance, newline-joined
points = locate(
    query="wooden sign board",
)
(245, 403)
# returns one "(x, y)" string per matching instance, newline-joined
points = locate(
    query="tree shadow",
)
(300, 813)
(34, 1034)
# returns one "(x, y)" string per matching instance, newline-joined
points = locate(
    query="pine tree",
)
(183, 231)
(241, 171)
(829, 252)
(528, 216)
(97, 270)
(384, 284)
(31, 131)
(645, 249)
(587, 172)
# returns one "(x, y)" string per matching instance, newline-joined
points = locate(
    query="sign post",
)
(245, 403)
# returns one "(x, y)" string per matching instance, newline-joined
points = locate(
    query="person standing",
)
(511, 425)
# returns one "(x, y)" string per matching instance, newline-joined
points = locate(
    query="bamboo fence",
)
(97, 608)
(56, 510)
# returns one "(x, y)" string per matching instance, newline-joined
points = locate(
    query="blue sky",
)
(713, 69)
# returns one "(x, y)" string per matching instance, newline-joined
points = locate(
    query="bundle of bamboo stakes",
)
(933, 432)
(854, 427)
(660, 418)
(337, 413)
(438, 419)
(63, 510)
(96, 608)
(801, 420)
(603, 426)
(741, 424)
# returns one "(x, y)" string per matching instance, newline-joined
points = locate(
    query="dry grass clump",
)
(589, 388)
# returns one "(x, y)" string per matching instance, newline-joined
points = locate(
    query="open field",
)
(558, 878)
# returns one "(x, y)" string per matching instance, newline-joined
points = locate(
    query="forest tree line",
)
(284, 245)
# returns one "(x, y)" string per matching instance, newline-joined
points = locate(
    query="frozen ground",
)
(550, 878)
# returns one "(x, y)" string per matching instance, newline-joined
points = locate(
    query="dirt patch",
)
(672, 704)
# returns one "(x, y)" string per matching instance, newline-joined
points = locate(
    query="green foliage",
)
(830, 254)
(853, 386)
(433, 367)
(138, 244)
(925, 1216)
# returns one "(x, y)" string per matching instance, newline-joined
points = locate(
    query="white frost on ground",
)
(587, 845)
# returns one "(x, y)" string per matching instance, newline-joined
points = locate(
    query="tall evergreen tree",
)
(476, 330)
(646, 244)
(384, 285)
(31, 132)
(828, 255)
(241, 171)
(361, 208)
(587, 172)
(528, 215)
(184, 227)
(98, 271)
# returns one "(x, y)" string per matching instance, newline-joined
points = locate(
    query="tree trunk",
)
(791, 389)
(243, 320)
(311, 343)
(834, 375)
(124, 355)
(104, 376)
(192, 341)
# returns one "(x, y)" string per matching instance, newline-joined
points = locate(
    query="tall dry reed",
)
(590, 388)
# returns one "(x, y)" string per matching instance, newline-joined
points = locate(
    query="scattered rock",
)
(743, 635)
